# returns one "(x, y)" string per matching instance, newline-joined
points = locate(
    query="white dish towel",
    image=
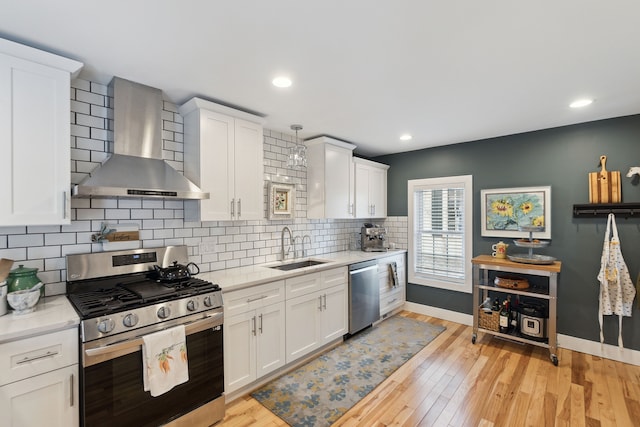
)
(164, 356)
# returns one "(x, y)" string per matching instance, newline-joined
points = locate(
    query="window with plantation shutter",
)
(440, 232)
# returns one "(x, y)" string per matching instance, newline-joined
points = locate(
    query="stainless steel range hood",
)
(136, 168)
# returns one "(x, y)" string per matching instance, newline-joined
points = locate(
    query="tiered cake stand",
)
(531, 244)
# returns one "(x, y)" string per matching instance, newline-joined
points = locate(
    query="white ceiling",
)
(363, 71)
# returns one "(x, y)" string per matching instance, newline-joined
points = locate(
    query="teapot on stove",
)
(176, 272)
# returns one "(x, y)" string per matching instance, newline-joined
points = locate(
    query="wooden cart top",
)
(493, 261)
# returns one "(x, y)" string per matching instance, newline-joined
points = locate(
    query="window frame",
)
(462, 285)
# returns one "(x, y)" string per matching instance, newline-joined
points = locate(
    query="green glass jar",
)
(23, 278)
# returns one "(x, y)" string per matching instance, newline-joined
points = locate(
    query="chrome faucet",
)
(306, 236)
(295, 247)
(282, 252)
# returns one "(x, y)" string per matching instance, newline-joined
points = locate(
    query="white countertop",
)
(51, 314)
(242, 277)
(56, 313)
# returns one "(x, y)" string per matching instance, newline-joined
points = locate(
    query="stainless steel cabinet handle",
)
(260, 327)
(66, 205)
(71, 396)
(256, 299)
(42, 356)
(351, 209)
(324, 306)
(320, 303)
(233, 207)
(239, 207)
(253, 320)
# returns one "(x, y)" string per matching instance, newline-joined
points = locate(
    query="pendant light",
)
(297, 153)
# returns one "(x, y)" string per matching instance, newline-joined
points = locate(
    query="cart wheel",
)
(473, 338)
(554, 359)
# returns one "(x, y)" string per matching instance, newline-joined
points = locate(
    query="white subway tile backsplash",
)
(25, 240)
(80, 131)
(60, 239)
(84, 214)
(90, 98)
(91, 121)
(16, 254)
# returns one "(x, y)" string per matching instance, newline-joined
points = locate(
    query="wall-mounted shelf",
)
(628, 210)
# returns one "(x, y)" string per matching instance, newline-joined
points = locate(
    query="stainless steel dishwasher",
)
(364, 295)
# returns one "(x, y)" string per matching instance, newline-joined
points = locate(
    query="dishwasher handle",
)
(363, 266)
(362, 270)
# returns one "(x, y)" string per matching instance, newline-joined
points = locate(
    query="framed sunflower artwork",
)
(504, 210)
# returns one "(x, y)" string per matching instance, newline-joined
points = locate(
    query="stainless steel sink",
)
(299, 264)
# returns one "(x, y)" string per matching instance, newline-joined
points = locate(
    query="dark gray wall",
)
(559, 157)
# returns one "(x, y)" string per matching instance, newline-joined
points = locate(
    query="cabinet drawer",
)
(243, 300)
(337, 276)
(33, 356)
(303, 285)
(391, 301)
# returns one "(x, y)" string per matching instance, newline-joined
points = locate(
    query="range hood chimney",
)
(136, 168)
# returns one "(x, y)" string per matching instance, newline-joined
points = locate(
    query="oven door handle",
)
(99, 354)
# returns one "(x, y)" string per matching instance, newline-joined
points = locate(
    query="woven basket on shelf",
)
(489, 320)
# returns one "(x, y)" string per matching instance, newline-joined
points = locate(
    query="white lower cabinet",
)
(392, 292)
(49, 399)
(39, 381)
(318, 317)
(254, 341)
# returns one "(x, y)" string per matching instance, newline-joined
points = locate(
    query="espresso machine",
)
(373, 238)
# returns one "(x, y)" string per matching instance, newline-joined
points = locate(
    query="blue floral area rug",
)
(320, 392)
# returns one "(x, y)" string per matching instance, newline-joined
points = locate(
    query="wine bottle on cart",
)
(505, 319)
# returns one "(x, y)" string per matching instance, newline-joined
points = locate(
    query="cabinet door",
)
(34, 140)
(248, 171)
(303, 325)
(49, 399)
(217, 134)
(338, 182)
(271, 350)
(334, 314)
(239, 350)
(363, 205)
(378, 192)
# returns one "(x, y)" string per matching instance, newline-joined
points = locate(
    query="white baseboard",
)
(569, 342)
(440, 313)
(594, 348)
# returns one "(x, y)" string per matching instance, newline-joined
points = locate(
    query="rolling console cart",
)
(483, 264)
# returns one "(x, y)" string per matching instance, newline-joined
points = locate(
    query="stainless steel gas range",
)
(121, 297)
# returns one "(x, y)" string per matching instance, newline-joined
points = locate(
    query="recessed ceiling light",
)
(405, 137)
(580, 103)
(281, 81)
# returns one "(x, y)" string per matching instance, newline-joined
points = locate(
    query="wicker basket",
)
(489, 320)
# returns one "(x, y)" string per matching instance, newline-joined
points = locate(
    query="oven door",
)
(112, 390)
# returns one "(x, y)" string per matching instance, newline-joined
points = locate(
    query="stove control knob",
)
(164, 312)
(207, 301)
(106, 325)
(193, 305)
(130, 320)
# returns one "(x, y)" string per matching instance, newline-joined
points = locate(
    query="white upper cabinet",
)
(35, 136)
(223, 155)
(329, 178)
(370, 188)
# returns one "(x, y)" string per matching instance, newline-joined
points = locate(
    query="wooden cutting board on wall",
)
(604, 186)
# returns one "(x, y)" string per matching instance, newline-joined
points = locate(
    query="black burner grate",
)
(132, 292)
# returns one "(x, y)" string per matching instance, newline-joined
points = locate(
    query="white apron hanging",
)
(616, 289)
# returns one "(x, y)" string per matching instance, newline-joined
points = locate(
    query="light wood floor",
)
(453, 382)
